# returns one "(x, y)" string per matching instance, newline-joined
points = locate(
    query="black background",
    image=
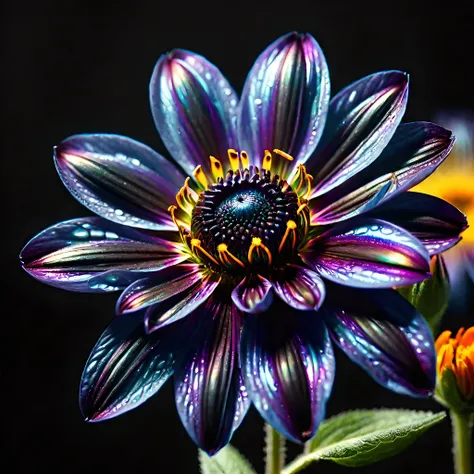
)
(75, 67)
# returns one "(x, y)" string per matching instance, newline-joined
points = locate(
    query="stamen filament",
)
(290, 227)
(196, 244)
(283, 154)
(256, 245)
(224, 255)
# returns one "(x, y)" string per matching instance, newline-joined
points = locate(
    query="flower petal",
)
(288, 367)
(207, 386)
(385, 335)
(252, 294)
(434, 221)
(170, 307)
(361, 121)
(126, 367)
(413, 153)
(194, 108)
(368, 253)
(119, 179)
(285, 100)
(158, 288)
(67, 255)
(300, 288)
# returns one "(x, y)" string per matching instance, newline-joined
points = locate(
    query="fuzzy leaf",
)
(430, 297)
(227, 461)
(362, 437)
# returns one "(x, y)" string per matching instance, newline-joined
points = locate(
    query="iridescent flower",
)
(455, 368)
(454, 182)
(292, 228)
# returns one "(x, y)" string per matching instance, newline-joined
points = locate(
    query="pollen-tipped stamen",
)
(196, 245)
(227, 258)
(290, 228)
(256, 247)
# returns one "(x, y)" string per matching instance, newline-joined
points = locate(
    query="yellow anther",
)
(267, 160)
(224, 256)
(200, 176)
(244, 158)
(196, 244)
(290, 227)
(216, 167)
(283, 154)
(256, 246)
(233, 159)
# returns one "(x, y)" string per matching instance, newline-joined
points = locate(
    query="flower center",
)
(248, 220)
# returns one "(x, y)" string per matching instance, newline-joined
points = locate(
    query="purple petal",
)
(208, 386)
(252, 294)
(362, 119)
(436, 223)
(300, 288)
(171, 307)
(67, 255)
(158, 288)
(194, 108)
(126, 367)
(285, 100)
(288, 368)
(368, 253)
(119, 179)
(385, 335)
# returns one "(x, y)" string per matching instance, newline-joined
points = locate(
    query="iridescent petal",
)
(173, 307)
(253, 294)
(368, 253)
(285, 100)
(126, 367)
(362, 119)
(119, 179)
(435, 222)
(194, 108)
(67, 255)
(299, 287)
(413, 153)
(158, 288)
(288, 367)
(208, 385)
(385, 335)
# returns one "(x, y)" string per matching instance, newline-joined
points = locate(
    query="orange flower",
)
(457, 355)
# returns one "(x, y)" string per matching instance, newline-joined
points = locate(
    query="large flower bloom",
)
(291, 230)
(454, 182)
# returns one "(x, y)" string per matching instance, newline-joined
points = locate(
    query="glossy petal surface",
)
(432, 220)
(126, 367)
(119, 179)
(194, 108)
(362, 119)
(288, 368)
(300, 288)
(385, 335)
(173, 306)
(67, 255)
(253, 294)
(158, 288)
(208, 386)
(413, 153)
(368, 253)
(285, 100)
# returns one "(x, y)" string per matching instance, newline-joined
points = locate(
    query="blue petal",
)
(288, 368)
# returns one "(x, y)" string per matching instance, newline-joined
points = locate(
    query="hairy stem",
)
(274, 451)
(462, 442)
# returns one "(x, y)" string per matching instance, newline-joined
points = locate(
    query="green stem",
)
(462, 447)
(275, 451)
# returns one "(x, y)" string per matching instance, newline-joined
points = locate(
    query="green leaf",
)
(430, 297)
(362, 437)
(227, 461)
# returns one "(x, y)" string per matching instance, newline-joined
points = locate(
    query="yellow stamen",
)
(172, 210)
(200, 176)
(283, 154)
(187, 197)
(309, 181)
(256, 246)
(267, 160)
(196, 244)
(233, 159)
(216, 167)
(244, 158)
(224, 255)
(290, 227)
